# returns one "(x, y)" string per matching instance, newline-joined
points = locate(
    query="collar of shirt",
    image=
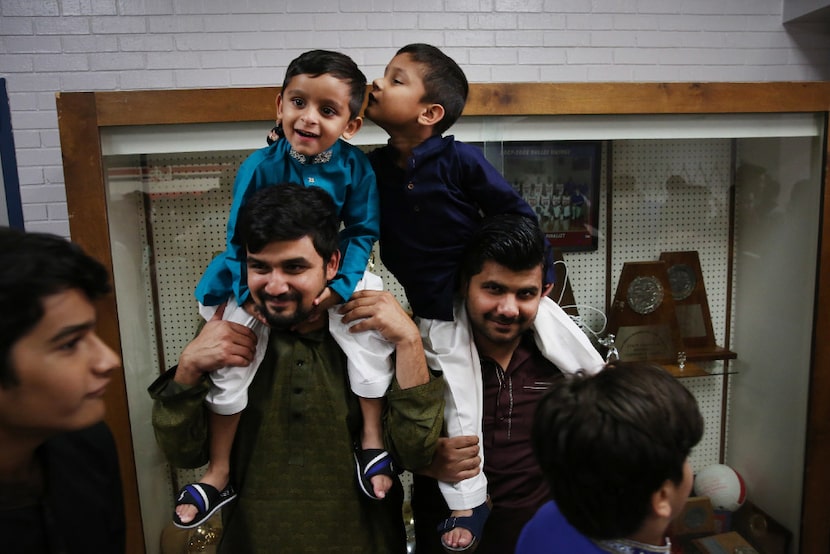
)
(524, 350)
(320, 158)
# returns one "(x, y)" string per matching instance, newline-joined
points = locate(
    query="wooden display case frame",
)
(82, 116)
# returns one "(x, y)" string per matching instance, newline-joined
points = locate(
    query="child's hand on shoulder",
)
(321, 304)
(250, 307)
(325, 300)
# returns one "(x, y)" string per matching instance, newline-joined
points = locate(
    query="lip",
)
(502, 327)
(99, 392)
(306, 135)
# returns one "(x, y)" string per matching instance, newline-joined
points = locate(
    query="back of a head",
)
(511, 240)
(288, 211)
(607, 442)
(34, 266)
(319, 62)
(444, 82)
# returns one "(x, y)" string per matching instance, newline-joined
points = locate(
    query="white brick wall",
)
(48, 46)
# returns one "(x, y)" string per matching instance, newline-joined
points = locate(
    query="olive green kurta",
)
(292, 462)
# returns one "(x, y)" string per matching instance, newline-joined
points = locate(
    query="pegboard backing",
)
(673, 195)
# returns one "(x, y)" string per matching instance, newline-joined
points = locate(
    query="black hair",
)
(288, 211)
(34, 266)
(444, 82)
(606, 443)
(319, 62)
(511, 240)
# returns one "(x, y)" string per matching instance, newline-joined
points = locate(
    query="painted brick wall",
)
(70, 45)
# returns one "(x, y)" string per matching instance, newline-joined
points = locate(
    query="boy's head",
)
(54, 369)
(423, 69)
(34, 266)
(320, 100)
(614, 447)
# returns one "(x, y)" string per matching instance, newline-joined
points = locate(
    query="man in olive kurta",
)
(292, 462)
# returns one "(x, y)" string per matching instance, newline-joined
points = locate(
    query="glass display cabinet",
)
(688, 217)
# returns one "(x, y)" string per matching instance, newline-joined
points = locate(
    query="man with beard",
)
(501, 278)
(292, 464)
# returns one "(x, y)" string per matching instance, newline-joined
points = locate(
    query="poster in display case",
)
(560, 180)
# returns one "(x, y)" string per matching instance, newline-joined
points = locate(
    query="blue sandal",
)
(207, 500)
(474, 524)
(371, 462)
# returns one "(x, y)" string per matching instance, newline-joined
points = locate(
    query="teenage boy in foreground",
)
(614, 448)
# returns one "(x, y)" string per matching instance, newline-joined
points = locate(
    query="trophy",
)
(642, 317)
(692, 307)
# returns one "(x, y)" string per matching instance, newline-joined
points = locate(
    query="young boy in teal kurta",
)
(319, 103)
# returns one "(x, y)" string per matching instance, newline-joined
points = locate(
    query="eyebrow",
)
(300, 92)
(72, 330)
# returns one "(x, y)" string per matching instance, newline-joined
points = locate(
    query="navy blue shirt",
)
(428, 212)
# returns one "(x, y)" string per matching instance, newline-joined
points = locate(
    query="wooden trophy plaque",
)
(692, 307)
(642, 317)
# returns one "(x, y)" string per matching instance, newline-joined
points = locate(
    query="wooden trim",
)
(815, 521)
(159, 107)
(646, 98)
(88, 225)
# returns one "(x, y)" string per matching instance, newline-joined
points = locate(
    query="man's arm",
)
(179, 416)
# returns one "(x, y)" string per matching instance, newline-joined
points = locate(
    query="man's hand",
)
(219, 344)
(375, 310)
(380, 311)
(455, 459)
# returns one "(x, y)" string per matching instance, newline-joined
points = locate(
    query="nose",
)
(376, 84)
(508, 306)
(276, 284)
(105, 359)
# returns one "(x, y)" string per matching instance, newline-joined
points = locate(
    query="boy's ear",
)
(664, 499)
(278, 102)
(432, 114)
(352, 127)
(546, 289)
(332, 265)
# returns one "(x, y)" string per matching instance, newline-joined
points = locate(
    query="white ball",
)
(723, 485)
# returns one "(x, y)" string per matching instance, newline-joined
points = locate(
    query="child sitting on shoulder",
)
(434, 193)
(319, 103)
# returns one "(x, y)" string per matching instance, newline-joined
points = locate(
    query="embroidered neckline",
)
(320, 158)
(625, 546)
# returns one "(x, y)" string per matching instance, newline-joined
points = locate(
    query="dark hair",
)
(608, 442)
(34, 266)
(511, 240)
(318, 62)
(288, 211)
(444, 82)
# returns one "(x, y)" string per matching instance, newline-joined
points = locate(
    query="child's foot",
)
(216, 479)
(462, 531)
(459, 537)
(208, 499)
(374, 472)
